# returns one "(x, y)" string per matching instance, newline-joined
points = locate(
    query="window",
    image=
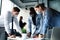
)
(7, 5)
(0, 5)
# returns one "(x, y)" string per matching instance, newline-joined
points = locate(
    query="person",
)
(45, 17)
(33, 23)
(9, 19)
(21, 23)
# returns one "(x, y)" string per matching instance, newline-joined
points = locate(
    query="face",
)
(38, 9)
(15, 12)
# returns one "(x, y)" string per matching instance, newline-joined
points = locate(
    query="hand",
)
(36, 36)
(13, 36)
(20, 35)
(29, 34)
(9, 35)
(41, 36)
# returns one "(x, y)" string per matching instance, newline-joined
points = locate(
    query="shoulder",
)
(8, 13)
(38, 15)
(29, 17)
(49, 9)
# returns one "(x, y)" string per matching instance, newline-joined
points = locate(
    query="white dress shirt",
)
(8, 23)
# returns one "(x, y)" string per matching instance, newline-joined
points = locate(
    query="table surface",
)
(18, 38)
(24, 38)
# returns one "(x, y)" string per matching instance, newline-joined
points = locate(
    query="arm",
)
(6, 23)
(29, 28)
(17, 26)
(47, 20)
(39, 22)
(45, 23)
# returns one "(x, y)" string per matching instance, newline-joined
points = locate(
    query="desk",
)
(24, 38)
(17, 38)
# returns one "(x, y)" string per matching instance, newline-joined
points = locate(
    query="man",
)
(9, 19)
(33, 23)
(45, 17)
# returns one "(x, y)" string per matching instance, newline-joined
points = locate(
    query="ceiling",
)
(54, 0)
(26, 3)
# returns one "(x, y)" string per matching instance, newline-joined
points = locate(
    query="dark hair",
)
(21, 17)
(40, 5)
(16, 9)
(32, 11)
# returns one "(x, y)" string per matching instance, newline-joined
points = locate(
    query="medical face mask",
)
(37, 12)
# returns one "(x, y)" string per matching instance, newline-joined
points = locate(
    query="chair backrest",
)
(2, 33)
(55, 33)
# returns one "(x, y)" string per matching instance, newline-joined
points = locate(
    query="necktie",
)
(12, 31)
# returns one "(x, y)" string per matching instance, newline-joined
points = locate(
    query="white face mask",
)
(37, 12)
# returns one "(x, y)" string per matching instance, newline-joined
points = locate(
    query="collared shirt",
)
(8, 23)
